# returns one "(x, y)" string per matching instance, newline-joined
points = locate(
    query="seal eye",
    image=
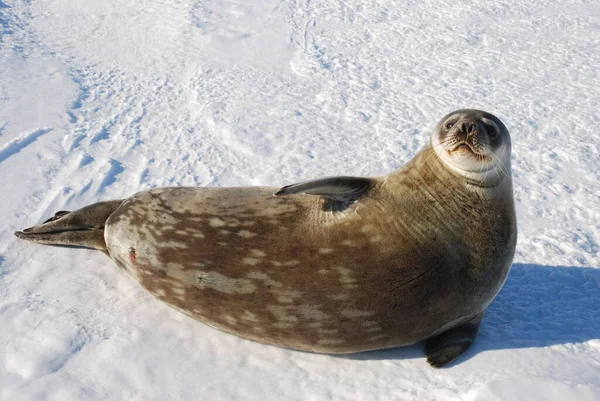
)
(449, 125)
(492, 132)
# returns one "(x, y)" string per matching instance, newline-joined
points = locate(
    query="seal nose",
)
(467, 130)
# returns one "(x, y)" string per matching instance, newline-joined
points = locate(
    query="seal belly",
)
(247, 263)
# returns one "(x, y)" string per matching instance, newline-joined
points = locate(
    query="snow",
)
(100, 99)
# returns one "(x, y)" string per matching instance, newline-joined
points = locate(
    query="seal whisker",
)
(503, 168)
(433, 154)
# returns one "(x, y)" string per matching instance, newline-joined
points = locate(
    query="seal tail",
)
(82, 228)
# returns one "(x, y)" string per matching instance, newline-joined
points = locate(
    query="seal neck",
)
(428, 170)
(497, 176)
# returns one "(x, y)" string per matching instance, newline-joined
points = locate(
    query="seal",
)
(335, 265)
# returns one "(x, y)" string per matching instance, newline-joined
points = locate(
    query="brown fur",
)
(419, 253)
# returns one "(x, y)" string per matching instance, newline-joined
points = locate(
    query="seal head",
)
(473, 144)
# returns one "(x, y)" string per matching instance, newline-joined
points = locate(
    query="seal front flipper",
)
(80, 228)
(339, 192)
(341, 189)
(449, 345)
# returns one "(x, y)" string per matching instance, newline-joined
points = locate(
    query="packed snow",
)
(101, 99)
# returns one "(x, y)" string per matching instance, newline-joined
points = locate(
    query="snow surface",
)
(100, 99)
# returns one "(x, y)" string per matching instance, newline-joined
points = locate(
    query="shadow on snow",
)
(538, 306)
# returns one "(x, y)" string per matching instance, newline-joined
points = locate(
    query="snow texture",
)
(100, 99)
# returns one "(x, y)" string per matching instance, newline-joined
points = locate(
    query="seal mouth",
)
(466, 149)
(462, 147)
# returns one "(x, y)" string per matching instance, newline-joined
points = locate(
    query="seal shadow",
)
(538, 306)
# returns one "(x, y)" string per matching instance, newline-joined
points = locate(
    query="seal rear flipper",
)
(340, 189)
(82, 238)
(81, 228)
